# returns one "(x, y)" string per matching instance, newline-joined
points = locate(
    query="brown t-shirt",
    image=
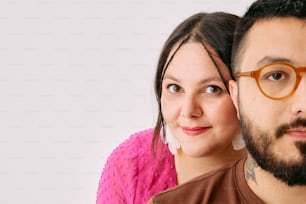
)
(226, 185)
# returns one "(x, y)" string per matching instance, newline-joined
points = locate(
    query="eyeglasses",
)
(277, 80)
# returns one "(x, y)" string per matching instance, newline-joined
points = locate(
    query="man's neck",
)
(270, 189)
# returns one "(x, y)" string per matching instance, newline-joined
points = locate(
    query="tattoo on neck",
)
(250, 170)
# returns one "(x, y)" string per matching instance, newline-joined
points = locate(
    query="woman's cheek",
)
(170, 109)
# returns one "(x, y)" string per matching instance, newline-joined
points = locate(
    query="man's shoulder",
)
(213, 187)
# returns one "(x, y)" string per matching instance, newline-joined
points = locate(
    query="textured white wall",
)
(76, 79)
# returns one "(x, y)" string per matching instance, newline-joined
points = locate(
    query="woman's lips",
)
(194, 131)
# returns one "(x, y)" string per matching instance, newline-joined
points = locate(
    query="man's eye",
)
(276, 76)
(173, 88)
(213, 89)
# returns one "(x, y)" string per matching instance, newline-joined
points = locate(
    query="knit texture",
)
(132, 174)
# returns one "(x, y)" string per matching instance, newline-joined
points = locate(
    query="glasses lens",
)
(277, 80)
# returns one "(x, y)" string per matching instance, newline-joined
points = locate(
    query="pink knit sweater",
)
(132, 175)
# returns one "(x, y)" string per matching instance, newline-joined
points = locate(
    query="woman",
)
(197, 129)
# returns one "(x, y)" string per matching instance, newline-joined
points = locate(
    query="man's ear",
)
(233, 88)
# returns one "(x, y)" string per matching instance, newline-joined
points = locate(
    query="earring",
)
(238, 142)
(169, 139)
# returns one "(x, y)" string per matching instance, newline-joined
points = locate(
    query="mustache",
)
(283, 129)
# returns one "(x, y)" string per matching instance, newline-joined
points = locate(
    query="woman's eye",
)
(173, 88)
(213, 89)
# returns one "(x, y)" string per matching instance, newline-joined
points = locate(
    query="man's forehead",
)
(269, 40)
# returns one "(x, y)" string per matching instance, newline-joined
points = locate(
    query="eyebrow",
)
(272, 59)
(201, 82)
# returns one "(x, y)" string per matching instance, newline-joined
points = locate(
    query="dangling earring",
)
(169, 139)
(238, 142)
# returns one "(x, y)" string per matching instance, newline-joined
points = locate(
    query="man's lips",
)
(194, 131)
(297, 132)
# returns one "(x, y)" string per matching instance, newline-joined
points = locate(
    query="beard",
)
(260, 144)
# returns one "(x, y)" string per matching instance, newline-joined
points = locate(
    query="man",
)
(269, 62)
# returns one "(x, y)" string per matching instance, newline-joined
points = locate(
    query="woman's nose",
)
(191, 107)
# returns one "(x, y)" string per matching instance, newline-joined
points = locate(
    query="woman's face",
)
(195, 104)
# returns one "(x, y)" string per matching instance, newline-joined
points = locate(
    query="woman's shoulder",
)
(132, 155)
(127, 151)
(120, 173)
(143, 136)
(136, 151)
(128, 169)
(140, 139)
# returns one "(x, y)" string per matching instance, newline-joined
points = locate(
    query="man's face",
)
(274, 130)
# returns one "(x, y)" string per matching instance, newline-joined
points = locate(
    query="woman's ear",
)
(233, 88)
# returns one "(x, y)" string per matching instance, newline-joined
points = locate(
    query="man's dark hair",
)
(259, 10)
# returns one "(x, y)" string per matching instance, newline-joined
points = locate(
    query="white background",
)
(76, 79)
